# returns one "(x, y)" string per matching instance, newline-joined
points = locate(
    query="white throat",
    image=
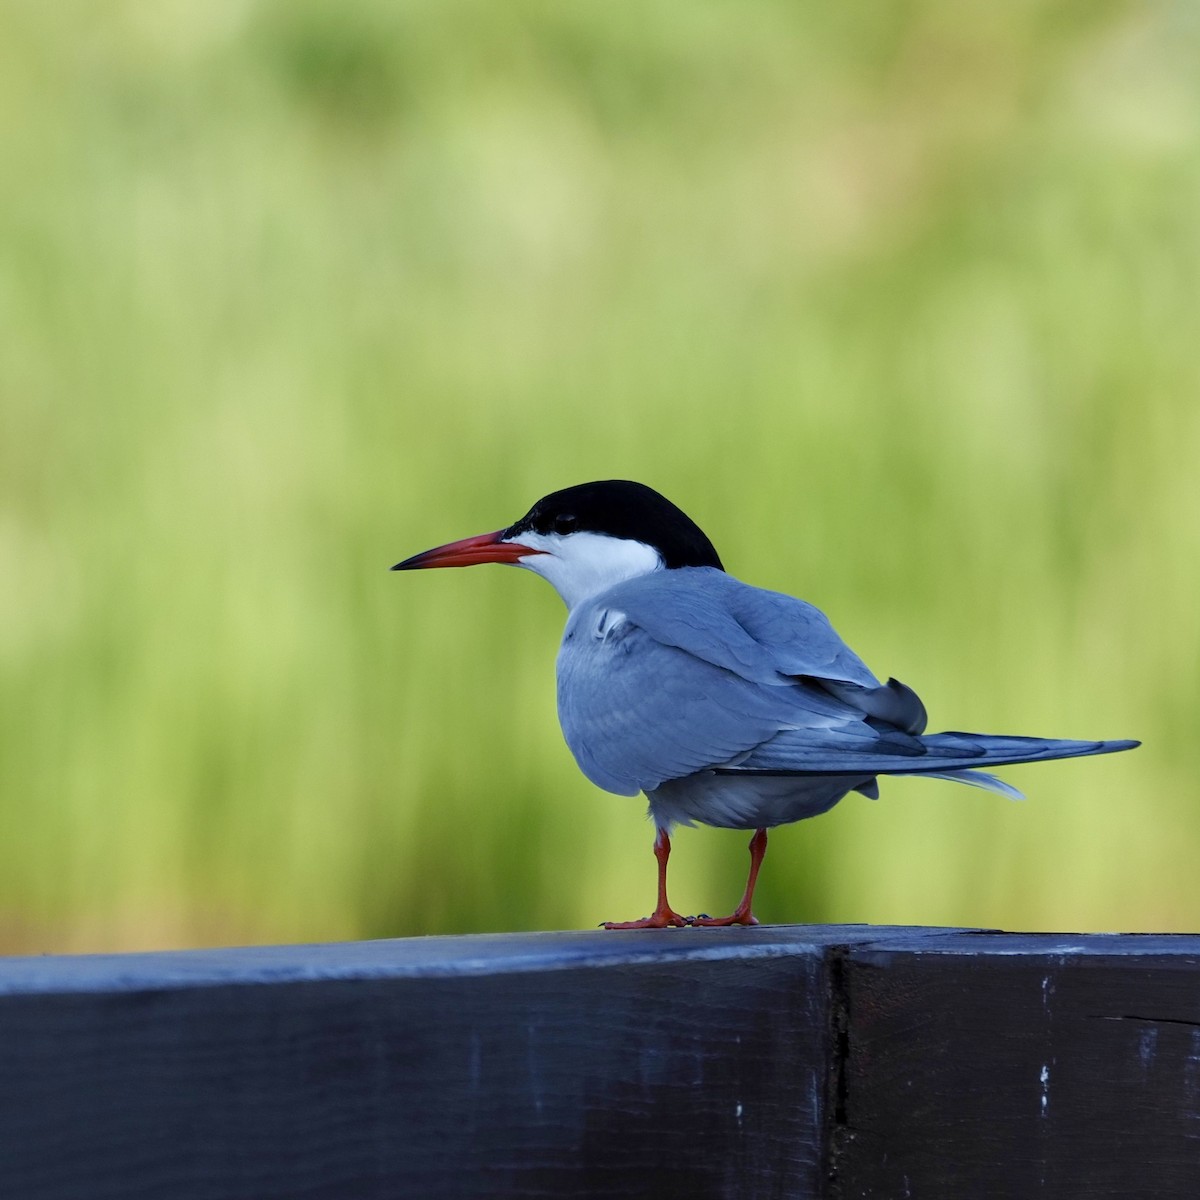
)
(582, 565)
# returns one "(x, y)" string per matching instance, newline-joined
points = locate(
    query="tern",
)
(726, 704)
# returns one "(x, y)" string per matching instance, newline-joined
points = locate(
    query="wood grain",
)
(580, 1065)
(790, 1062)
(1003, 1066)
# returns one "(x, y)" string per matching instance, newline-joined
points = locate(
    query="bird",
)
(726, 704)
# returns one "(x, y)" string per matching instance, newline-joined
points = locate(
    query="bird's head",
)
(585, 539)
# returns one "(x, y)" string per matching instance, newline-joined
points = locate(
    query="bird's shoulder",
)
(764, 636)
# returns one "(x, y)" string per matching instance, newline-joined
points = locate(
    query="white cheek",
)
(580, 565)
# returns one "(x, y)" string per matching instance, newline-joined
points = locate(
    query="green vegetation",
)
(900, 303)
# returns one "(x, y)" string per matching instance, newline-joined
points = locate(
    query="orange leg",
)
(664, 914)
(742, 914)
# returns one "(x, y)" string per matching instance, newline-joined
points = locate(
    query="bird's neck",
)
(587, 564)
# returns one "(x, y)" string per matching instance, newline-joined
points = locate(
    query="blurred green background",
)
(901, 303)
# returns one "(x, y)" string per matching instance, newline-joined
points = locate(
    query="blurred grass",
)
(901, 305)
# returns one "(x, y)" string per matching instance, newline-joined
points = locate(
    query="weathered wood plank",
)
(1005, 1066)
(792, 1062)
(676, 1064)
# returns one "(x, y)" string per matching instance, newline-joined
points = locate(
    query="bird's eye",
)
(565, 523)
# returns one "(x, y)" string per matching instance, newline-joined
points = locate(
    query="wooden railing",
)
(825, 1061)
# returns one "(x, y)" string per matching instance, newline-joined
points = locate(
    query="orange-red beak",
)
(483, 548)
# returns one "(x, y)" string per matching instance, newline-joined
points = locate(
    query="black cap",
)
(622, 509)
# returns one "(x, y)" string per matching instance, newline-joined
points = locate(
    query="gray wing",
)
(801, 641)
(764, 636)
(760, 635)
(892, 753)
(681, 671)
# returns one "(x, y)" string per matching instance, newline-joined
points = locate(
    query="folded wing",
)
(794, 752)
(688, 670)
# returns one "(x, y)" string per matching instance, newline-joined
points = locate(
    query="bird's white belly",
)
(747, 801)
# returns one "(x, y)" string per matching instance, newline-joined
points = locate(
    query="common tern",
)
(726, 704)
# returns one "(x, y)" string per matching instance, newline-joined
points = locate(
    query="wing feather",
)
(796, 752)
(658, 679)
(763, 636)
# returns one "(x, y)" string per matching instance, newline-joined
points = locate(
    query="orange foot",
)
(660, 918)
(738, 917)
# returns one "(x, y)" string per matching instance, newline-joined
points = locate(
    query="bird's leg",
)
(742, 914)
(663, 915)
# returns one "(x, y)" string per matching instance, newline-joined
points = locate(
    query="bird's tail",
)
(941, 755)
(979, 779)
